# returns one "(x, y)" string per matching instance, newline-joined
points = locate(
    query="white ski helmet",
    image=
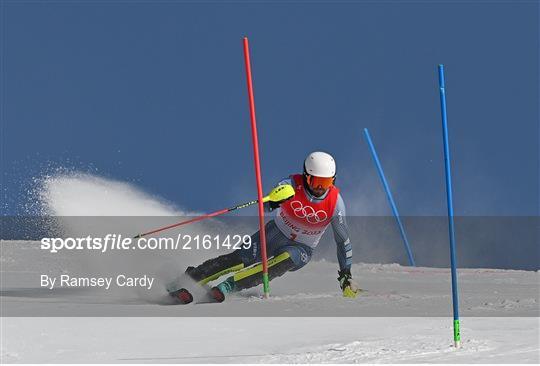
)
(320, 164)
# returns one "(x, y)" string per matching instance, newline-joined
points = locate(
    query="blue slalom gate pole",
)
(389, 196)
(449, 199)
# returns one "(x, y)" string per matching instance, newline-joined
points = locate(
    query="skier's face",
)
(319, 185)
(318, 192)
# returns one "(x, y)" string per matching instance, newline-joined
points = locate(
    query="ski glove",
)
(273, 205)
(345, 283)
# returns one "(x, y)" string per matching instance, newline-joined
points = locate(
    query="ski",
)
(182, 296)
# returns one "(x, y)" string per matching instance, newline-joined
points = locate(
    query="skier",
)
(291, 236)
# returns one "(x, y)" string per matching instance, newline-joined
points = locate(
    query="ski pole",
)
(278, 194)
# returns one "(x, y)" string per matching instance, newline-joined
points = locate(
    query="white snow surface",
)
(267, 340)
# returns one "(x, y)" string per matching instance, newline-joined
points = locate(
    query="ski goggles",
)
(319, 182)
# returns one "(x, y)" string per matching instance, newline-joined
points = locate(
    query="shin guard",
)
(252, 276)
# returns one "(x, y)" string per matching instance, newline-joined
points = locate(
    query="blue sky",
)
(154, 93)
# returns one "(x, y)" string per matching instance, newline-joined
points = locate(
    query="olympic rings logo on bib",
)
(308, 213)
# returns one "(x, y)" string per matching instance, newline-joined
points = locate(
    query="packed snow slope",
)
(267, 340)
(404, 315)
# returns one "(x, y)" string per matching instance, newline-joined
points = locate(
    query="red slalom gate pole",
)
(262, 236)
